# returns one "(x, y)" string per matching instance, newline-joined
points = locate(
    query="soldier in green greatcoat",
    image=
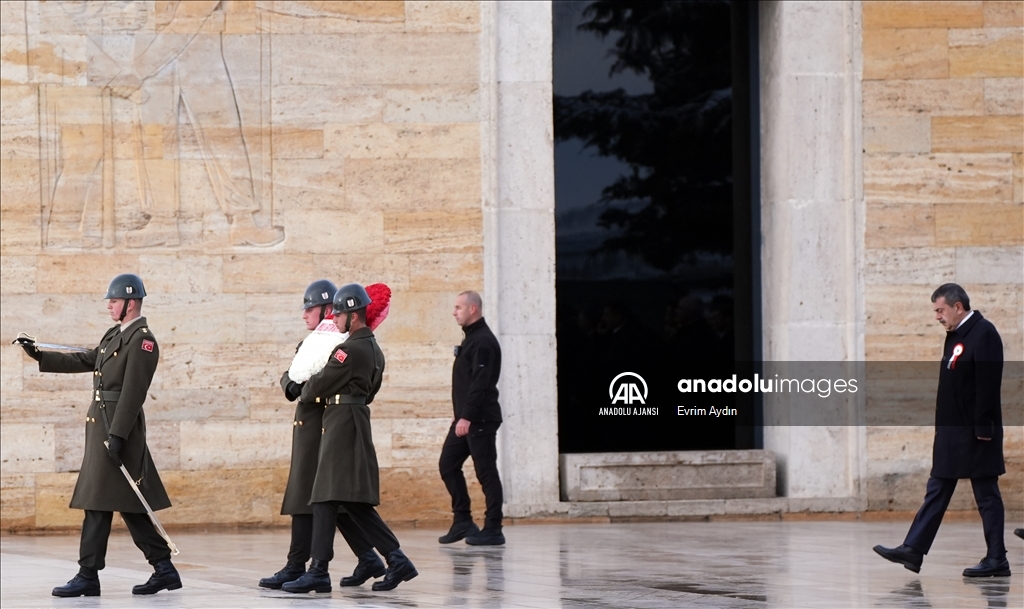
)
(306, 433)
(347, 474)
(122, 366)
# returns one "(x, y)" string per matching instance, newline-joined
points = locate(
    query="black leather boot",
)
(85, 583)
(459, 530)
(291, 572)
(164, 577)
(370, 565)
(400, 569)
(315, 579)
(487, 537)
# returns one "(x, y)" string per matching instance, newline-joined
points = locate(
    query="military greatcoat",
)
(347, 465)
(306, 432)
(123, 365)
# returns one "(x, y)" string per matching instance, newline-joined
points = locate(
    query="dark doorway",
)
(657, 228)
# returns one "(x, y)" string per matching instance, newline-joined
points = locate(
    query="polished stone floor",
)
(653, 565)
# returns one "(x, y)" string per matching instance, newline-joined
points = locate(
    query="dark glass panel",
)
(646, 217)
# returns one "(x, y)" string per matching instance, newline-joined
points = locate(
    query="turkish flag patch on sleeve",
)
(341, 356)
(147, 345)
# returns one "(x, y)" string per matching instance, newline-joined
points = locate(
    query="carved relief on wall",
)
(154, 123)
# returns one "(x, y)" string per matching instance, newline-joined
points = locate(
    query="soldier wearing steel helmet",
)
(123, 365)
(347, 474)
(316, 304)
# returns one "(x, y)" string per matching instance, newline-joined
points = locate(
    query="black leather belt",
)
(107, 396)
(342, 399)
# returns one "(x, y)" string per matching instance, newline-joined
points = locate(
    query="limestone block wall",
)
(230, 153)
(943, 170)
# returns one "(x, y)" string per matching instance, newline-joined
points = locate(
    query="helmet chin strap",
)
(348, 321)
(124, 310)
(323, 311)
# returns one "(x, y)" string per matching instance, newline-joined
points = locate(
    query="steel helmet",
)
(351, 297)
(320, 292)
(127, 286)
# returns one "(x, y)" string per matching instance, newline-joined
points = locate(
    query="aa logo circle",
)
(625, 388)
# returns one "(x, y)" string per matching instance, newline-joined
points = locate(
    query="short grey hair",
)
(952, 293)
(473, 298)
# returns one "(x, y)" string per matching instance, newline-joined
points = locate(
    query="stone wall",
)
(943, 99)
(230, 153)
(256, 146)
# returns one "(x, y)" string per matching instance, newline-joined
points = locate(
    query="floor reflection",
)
(911, 596)
(995, 591)
(466, 562)
(665, 565)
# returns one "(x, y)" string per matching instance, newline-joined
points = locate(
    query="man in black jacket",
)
(475, 425)
(968, 434)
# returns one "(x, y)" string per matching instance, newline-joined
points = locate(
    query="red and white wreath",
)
(317, 348)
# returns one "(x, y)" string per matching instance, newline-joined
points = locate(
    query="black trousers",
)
(92, 551)
(936, 500)
(479, 443)
(302, 537)
(363, 522)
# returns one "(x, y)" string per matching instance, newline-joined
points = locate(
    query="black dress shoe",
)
(487, 537)
(989, 567)
(370, 565)
(1019, 533)
(459, 531)
(291, 572)
(400, 569)
(78, 586)
(315, 579)
(904, 555)
(164, 577)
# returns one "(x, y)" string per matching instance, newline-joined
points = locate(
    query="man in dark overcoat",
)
(122, 365)
(306, 434)
(347, 474)
(968, 434)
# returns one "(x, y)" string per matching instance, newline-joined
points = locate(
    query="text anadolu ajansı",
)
(823, 387)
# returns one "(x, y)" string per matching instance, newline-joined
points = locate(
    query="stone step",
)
(667, 476)
(686, 509)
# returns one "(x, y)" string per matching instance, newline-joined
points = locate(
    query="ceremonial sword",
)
(149, 510)
(22, 337)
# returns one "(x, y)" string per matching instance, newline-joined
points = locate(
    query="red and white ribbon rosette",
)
(958, 350)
